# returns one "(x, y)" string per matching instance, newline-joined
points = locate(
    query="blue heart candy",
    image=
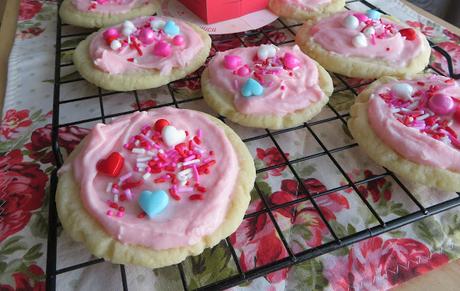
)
(373, 14)
(153, 202)
(252, 88)
(171, 28)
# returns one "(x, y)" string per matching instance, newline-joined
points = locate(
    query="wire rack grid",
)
(303, 195)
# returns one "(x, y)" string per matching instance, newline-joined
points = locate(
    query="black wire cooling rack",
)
(293, 258)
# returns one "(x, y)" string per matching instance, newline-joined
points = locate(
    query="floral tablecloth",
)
(26, 162)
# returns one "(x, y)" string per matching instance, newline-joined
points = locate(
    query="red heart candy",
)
(160, 124)
(111, 166)
(408, 33)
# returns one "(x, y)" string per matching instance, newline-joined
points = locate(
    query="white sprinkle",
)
(138, 150)
(126, 176)
(405, 109)
(143, 159)
(449, 124)
(115, 198)
(137, 143)
(195, 161)
(183, 182)
(150, 153)
(115, 191)
(423, 117)
(435, 126)
(446, 140)
(179, 165)
(395, 110)
(129, 194)
(185, 172)
(109, 187)
(146, 176)
(413, 105)
(411, 119)
(161, 151)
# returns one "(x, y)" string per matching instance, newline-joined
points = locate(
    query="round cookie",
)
(178, 188)
(266, 86)
(147, 52)
(305, 9)
(364, 45)
(100, 13)
(411, 127)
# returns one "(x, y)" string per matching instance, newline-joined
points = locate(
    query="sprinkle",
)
(120, 214)
(196, 175)
(138, 150)
(125, 177)
(128, 194)
(146, 176)
(141, 215)
(199, 133)
(184, 172)
(195, 197)
(109, 212)
(150, 153)
(109, 187)
(115, 190)
(423, 117)
(173, 193)
(115, 198)
(395, 110)
(143, 159)
(195, 161)
(137, 143)
(185, 190)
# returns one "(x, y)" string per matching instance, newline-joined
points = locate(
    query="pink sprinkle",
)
(156, 146)
(199, 133)
(109, 212)
(148, 169)
(189, 158)
(148, 140)
(120, 214)
(129, 194)
(196, 175)
(185, 190)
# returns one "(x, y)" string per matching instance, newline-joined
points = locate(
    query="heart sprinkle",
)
(112, 165)
(252, 88)
(153, 202)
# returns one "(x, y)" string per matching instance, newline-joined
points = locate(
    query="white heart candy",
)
(369, 31)
(128, 24)
(403, 91)
(157, 24)
(115, 44)
(172, 136)
(351, 22)
(266, 51)
(360, 40)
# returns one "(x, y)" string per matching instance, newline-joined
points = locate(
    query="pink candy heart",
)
(290, 61)
(232, 62)
(162, 49)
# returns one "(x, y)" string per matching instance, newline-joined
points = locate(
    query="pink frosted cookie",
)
(362, 45)
(154, 187)
(143, 53)
(411, 126)
(99, 13)
(267, 86)
(305, 9)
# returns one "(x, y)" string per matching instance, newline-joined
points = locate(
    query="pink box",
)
(212, 11)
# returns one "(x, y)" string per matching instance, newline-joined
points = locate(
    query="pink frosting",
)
(108, 6)
(310, 5)
(284, 92)
(183, 222)
(332, 35)
(128, 59)
(411, 142)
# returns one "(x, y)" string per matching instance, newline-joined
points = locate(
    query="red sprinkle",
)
(197, 140)
(121, 209)
(141, 215)
(131, 183)
(195, 197)
(130, 60)
(173, 194)
(159, 180)
(409, 33)
(123, 197)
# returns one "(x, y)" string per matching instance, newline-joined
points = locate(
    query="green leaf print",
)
(307, 276)
(33, 253)
(430, 231)
(212, 265)
(12, 244)
(39, 225)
